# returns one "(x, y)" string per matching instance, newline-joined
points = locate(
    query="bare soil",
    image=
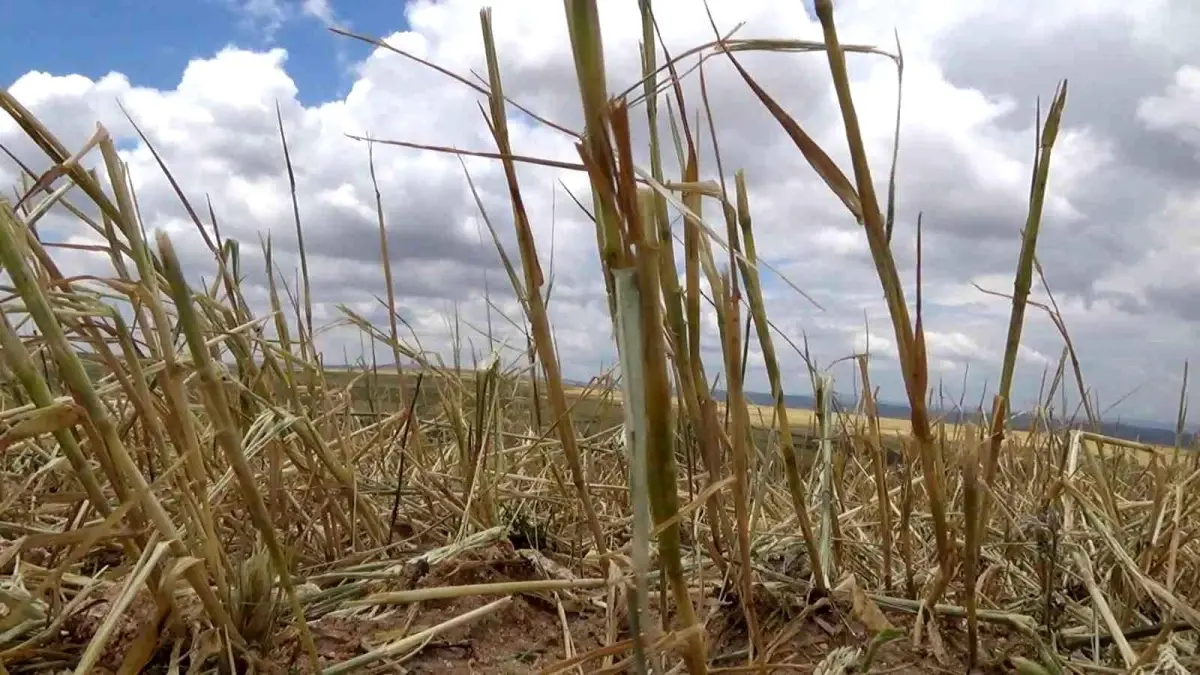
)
(527, 635)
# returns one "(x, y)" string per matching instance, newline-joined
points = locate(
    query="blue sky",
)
(152, 41)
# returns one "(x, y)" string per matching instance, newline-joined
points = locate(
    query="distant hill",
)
(1144, 431)
(1140, 431)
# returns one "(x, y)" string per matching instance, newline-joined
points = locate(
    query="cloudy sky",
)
(203, 79)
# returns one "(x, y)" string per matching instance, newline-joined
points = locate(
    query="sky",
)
(1119, 241)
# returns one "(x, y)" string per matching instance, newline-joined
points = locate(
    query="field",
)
(599, 406)
(186, 487)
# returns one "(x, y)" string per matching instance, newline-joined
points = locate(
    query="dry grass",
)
(186, 488)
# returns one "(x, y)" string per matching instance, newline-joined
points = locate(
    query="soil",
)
(527, 635)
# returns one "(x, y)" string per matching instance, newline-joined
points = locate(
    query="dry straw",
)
(188, 484)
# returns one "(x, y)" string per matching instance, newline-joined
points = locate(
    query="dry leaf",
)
(936, 644)
(42, 421)
(863, 607)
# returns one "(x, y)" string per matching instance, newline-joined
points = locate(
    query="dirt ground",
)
(527, 635)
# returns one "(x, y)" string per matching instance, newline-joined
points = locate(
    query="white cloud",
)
(320, 9)
(264, 18)
(1174, 110)
(954, 346)
(876, 345)
(965, 159)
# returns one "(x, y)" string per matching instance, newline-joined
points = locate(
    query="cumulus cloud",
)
(1116, 243)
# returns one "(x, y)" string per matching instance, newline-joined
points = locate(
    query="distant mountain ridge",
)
(1140, 430)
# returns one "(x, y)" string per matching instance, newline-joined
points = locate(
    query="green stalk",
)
(180, 428)
(909, 341)
(878, 462)
(583, 25)
(823, 391)
(739, 432)
(629, 347)
(690, 374)
(660, 451)
(758, 312)
(1022, 284)
(226, 435)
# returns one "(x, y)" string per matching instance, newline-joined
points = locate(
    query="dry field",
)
(184, 488)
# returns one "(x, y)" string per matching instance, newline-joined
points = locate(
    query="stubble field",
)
(187, 488)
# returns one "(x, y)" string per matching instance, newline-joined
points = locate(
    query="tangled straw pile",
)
(185, 485)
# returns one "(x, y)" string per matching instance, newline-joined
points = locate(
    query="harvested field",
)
(187, 487)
